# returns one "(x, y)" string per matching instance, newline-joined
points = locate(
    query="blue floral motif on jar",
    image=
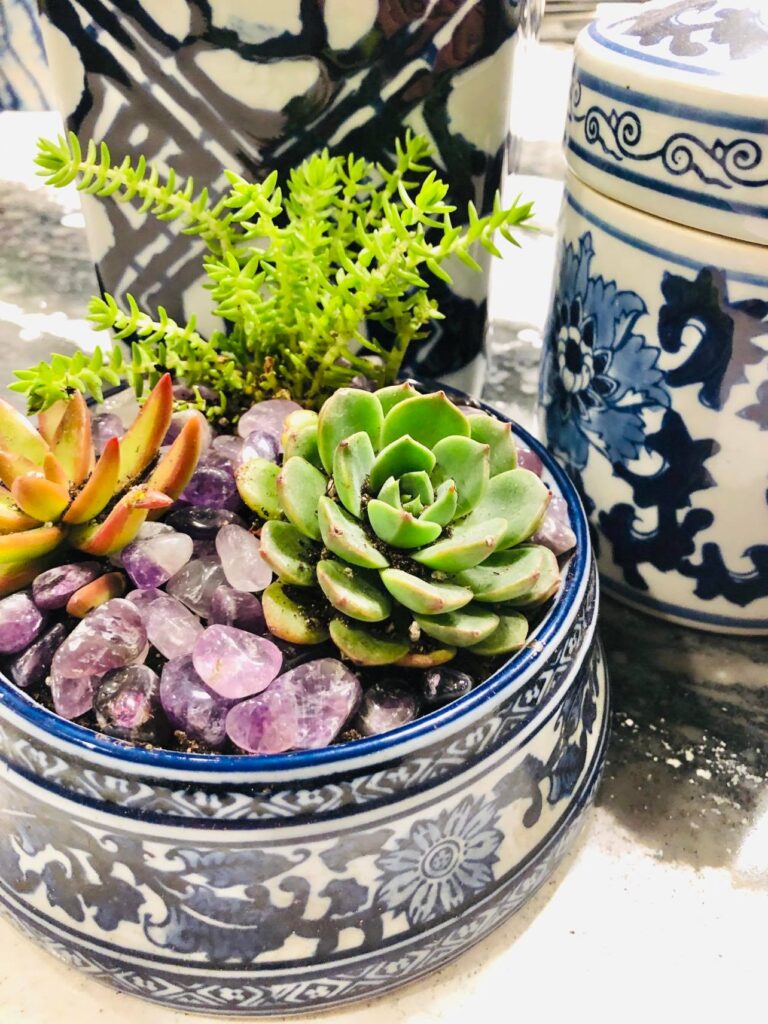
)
(599, 374)
(442, 863)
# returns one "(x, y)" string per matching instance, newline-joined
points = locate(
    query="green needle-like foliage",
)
(296, 270)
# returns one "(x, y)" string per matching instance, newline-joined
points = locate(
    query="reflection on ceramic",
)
(654, 395)
(259, 84)
(240, 885)
(23, 72)
(669, 113)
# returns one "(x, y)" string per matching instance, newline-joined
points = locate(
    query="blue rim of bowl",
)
(236, 764)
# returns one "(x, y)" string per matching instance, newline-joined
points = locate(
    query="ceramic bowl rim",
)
(552, 628)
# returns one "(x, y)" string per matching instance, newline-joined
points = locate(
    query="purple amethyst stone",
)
(54, 587)
(20, 622)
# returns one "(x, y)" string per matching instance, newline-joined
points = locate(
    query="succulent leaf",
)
(13, 465)
(289, 553)
(257, 484)
(121, 525)
(39, 498)
(54, 471)
(498, 436)
(300, 437)
(98, 490)
(12, 519)
(352, 463)
(399, 527)
(468, 626)
(351, 592)
(345, 537)
(443, 508)
(403, 455)
(72, 443)
(424, 596)
(291, 618)
(510, 635)
(520, 498)
(543, 587)
(391, 396)
(347, 412)
(299, 489)
(468, 464)
(15, 575)
(145, 435)
(49, 420)
(468, 545)
(97, 592)
(426, 418)
(417, 485)
(427, 658)
(31, 544)
(506, 575)
(174, 470)
(390, 493)
(365, 647)
(17, 435)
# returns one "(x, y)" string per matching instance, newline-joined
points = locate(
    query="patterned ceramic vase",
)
(253, 886)
(654, 385)
(260, 84)
(24, 81)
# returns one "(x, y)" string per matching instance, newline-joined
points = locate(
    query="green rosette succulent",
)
(398, 527)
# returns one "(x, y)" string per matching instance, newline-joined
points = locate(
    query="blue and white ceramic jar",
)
(249, 886)
(654, 390)
(252, 85)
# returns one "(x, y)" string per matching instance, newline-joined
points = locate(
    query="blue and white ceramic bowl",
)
(669, 112)
(253, 886)
(654, 394)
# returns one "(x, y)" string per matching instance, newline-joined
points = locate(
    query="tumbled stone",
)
(127, 704)
(526, 459)
(142, 599)
(269, 415)
(72, 697)
(555, 531)
(20, 622)
(240, 555)
(228, 445)
(201, 522)
(217, 458)
(54, 587)
(385, 706)
(443, 684)
(303, 709)
(110, 637)
(233, 663)
(238, 608)
(191, 706)
(180, 419)
(261, 444)
(31, 667)
(105, 426)
(195, 583)
(153, 561)
(171, 627)
(210, 486)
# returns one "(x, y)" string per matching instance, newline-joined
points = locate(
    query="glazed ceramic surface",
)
(254, 85)
(241, 885)
(669, 113)
(654, 395)
(23, 73)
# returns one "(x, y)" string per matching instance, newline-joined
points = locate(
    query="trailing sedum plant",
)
(55, 493)
(296, 272)
(397, 525)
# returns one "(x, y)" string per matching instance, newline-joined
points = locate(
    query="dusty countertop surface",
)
(660, 909)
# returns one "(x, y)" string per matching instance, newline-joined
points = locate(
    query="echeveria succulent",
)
(55, 492)
(397, 525)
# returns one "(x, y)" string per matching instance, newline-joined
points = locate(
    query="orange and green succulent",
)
(57, 495)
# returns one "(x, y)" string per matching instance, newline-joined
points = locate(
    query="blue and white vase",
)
(253, 886)
(654, 389)
(254, 85)
(24, 83)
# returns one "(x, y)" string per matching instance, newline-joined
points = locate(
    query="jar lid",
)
(669, 112)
